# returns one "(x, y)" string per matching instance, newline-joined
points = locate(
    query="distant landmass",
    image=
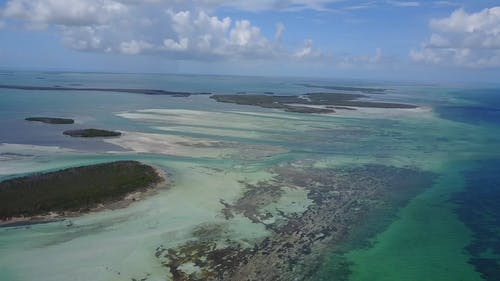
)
(306, 103)
(118, 90)
(51, 120)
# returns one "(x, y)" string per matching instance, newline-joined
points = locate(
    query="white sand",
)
(192, 147)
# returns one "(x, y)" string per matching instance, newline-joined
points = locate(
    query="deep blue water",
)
(477, 206)
(479, 209)
(485, 107)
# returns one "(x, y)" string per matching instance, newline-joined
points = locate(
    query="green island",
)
(91, 133)
(303, 104)
(51, 120)
(76, 189)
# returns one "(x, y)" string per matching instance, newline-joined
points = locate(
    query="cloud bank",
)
(463, 39)
(174, 29)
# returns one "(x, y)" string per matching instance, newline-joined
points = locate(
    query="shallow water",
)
(213, 150)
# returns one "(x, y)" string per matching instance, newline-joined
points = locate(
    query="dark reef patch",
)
(344, 200)
(256, 197)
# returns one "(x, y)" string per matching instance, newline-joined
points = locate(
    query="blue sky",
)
(395, 40)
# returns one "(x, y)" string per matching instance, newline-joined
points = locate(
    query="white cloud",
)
(404, 3)
(244, 34)
(375, 4)
(153, 26)
(362, 6)
(172, 28)
(84, 38)
(463, 39)
(173, 45)
(134, 47)
(377, 58)
(40, 13)
(438, 41)
(486, 21)
(425, 56)
(287, 5)
(446, 3)
(307, 51)
(280, 28)
(459, 57)
(204, 36)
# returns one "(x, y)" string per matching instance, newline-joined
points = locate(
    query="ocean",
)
(417, 189)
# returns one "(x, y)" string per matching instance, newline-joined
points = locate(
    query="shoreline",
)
(124, 202)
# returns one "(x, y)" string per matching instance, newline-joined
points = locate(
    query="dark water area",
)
(335, 265)
(470, 114)
(479, 209)
(485, 107)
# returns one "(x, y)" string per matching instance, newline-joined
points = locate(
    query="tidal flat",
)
(257, 192)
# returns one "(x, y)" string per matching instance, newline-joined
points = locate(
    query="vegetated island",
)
(49, 196)
(51, 120)
(303, 104)
(344, 88)
(91, 133)
(118, 90)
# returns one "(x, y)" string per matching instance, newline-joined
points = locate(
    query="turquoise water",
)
(212, 149)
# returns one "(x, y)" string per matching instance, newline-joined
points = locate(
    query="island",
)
(51, 120)
(309, 103)
(91, 133)
(116, 90)
(68, 192)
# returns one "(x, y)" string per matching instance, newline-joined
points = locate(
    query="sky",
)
(389, 39)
